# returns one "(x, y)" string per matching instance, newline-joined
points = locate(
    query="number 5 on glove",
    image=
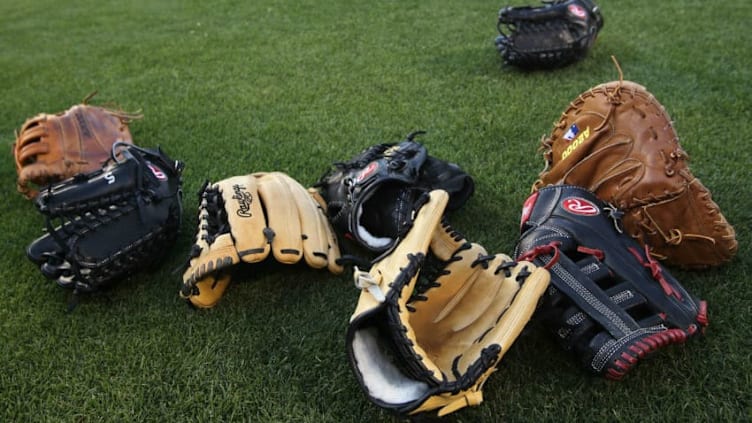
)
(419, 342)
(245, 218)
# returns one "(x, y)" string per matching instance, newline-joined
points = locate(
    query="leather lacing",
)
(433, 270)
(613, 97)
(215, 221)
(640, 348)
(656, 271)
(551, 248)
(449, 229)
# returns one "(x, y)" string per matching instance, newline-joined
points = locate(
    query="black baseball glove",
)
(553, 35)
(111, 222)
(370, 198)
(609, 302)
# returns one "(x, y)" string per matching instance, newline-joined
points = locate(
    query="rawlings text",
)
(244, 200)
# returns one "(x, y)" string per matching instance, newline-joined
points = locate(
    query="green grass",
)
(233, 87)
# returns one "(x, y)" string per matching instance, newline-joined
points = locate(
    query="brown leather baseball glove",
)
(618, 141)
(53, 147)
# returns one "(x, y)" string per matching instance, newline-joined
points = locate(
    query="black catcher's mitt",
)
(549, 36)
(111, 222)
(609, 302)
(371, 197)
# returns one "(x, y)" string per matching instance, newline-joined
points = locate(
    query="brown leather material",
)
(52, 147)
(619, 142)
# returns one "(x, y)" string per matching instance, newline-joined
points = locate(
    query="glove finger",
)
(334, 251)
(283, 217)
(313, 224)
(245, 217)
(511, 310)
(26, 153)
(39, 174)
(333, 264)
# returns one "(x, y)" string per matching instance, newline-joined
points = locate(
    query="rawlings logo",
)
(577, 10)
(527, 208)
(367, 171)
(156, 171)
(580, 206)
(244, 200)
(576, 143)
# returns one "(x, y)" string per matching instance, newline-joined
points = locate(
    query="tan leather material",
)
(263, 214)
(53, 147)
(449, 326)
(619, 142)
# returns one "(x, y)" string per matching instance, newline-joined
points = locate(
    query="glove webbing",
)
(540, 42)
(578, 282)
(403, 344)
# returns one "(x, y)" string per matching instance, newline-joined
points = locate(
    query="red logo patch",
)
(577, 10)
(580, 206)
(157, 172)
(527, 208)
(367, 171)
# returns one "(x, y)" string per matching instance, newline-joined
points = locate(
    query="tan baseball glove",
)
(53, 147)
(436, 315)
(618, 141)
(249, 218)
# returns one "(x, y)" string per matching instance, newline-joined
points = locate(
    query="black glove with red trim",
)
(609, 301)
(371, 197)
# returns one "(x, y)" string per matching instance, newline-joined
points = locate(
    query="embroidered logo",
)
(581, 138)
(577, 10)
(367, 171)
(527, 208)
(158, 173)
(244, 200)
(580, 206)
(571, 132)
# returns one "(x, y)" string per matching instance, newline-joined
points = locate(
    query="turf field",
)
(234, 87)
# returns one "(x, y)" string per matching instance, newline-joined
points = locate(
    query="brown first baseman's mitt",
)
(53, 147)
(618, 141)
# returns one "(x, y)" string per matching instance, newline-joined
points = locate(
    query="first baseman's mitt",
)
(112, 222)
(436, 315)
(53, 147)
(617, 140)
(370, 198)
(244, 219)
(610, 302)
(556, 34)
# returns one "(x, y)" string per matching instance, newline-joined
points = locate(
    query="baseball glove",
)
(436, 315)
(610, 302)
(370, 197)
(112, 222)
(554, 35)
(617, 140)
(243, 219)
(53, 147)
